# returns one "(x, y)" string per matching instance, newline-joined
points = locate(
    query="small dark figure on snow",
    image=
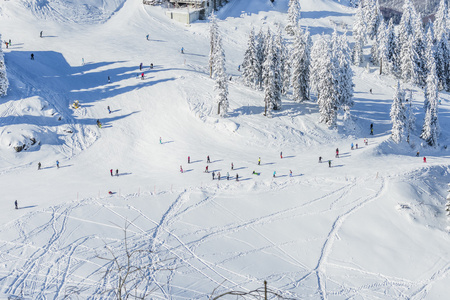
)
(239, 67)
(337, 152)
(232, 166)
(320, 159)
(371, 131)
(206, 169)
(147, 36)
(213, 175)
(109, 109)
(424, 159)
(151, 66)
(99, 124)
(351, 146)
(189, 159)
(6, 43)
(40, 35)
(356, 146)
(182, 50)
(228, 176)
(142, 76)
(140, 67)
(329, 164)
(274, 174)
(371, 91)
(10, 42)
(218, 176)
(109, 79)
(57, 164)
(117, 172)
(281, 154)
(237, 177)
(111, 171)
(290, 173)
(418, 153)
(259, 161)
(39, 165)
(208, 160)
(17, 205)
(32, 56)
(181, 169)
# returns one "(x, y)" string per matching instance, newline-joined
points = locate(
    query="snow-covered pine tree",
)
(410, 118)
(293, 16)
(430, 64)
(398, 115)
(383, 48)
(284, 64)
(419, 47)
(393, 49)
(278, 75)
(213, 31)
(409, 66)
(300, 65)
(360, 35)
(4, 83)
(269, 77)
(260, 42)
(250, 65)
(430, 129)
(221, 85)
(443, 62)
(373, 17)
(441, 23)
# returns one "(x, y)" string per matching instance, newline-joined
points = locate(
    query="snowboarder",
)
(99, 124)
(424, 159)
(352, 146)
(140, 67)
(189, 159)
(142, 76)
(39, 165)
(181, 169)
(320, 159)
(32, 56)
(111, 171)
(40, 35)
(147, 36)
(281, 154)
(290, 173)
(57, 164)
(274, 174)
(218, 176)
(151, 66)
(254, 172)
(117, 172)
(110, 192)
(109, 79)
(337, 152)
(259, 161)
(237, 177)
(182, 50)
(329, 163)
(208, 160)
(109, 109)
(206, 169)
(232, 166)
(15, 203)
(213, 175)
(228, 176)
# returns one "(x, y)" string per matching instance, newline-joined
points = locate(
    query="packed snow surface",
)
(372, 226)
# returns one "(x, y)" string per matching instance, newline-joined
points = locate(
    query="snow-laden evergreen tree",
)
(360, 35)
(213, 31)
(430, 129)
(429, 56)
(293, 16)
(342, 72)
(269, 77)
(251, 66)
(410, 117)
(379, 44)
(284, 63)
(405, 28)
(300, 65)
(443, 62)
(383, 48)
(419, 47)
(221, 85)
(278, 75)
(393, 49)
(373, 17)
(398, 114)
(441, 22)
(260, 42)
(323, 81)
(4, 83)
(409, 67)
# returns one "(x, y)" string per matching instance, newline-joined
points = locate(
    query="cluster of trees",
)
(4, 83)
(324, 66)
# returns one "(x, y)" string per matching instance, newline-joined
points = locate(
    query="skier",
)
(151, 66)
(15, 203)
(32, 56)
(232, 166)
(329, 163)
(182, 50)
(371, 128)
(418, 153)
(213, 174)
(424, 159)
(207, 160)
(40, 35)
(142, 76)
(206, 169)
(356, 146)
(218, 176)
(237, 177)
(147, 36)
(109, 79)
(117, 172)
(239, 68)
(39, 165)
(160, 140)
(371, 91)
(281, 154)
(352, 146)
(274, 174)
(259, 161)
(111, 171)
(290, 173)
(6, 43)
(57, 164)
(140, 67)
(320, 159)
(228, 176)
(109, 109)
(189, 159)
(181, 169)
(337, 152)
(10, 42)
(99, 124)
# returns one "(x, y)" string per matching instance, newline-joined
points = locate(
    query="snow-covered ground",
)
(371, 227)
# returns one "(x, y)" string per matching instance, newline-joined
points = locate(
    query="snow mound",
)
(79, 11)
